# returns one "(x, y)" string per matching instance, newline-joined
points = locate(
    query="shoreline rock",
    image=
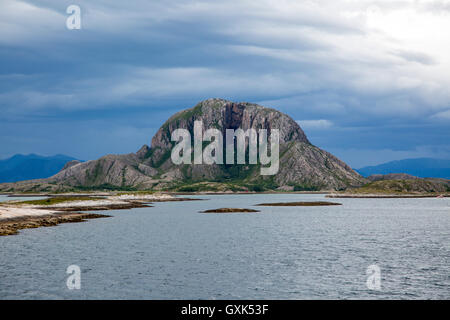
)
(16, 215)
(300, 204)
(386, 196)
(229, 210)
(99, 207)
(11, 226)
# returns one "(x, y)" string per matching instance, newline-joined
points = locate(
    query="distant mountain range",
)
(419, 167)
(26, 167)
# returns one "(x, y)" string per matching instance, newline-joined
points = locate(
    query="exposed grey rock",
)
(306, 165)
(113, 170)
(222, 114)
(302, 165)
(70, 164)
(143, 152)
(391, 176)
(405, 186)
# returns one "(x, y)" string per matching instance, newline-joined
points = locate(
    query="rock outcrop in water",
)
(303, 166)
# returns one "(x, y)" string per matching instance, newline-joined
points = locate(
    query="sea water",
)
(172, 251)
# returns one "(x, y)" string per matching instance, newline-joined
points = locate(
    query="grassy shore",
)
(16, 215)
(56, 200)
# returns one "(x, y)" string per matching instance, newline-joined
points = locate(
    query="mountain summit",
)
(302, 165)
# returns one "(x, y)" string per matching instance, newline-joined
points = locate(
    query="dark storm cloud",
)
(108, 87)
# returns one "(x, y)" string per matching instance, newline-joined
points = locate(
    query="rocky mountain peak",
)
(223, 114)
(143, 152)
(70, 164)
(302, 166)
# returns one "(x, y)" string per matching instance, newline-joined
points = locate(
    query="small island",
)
(229, 210)
(64, 208)
(300, 204)
(398, 186)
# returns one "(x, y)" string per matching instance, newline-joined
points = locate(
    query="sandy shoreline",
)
(16, 214)
(13, 212)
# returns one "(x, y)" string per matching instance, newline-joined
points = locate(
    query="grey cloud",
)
(314, 60)
(413, 56)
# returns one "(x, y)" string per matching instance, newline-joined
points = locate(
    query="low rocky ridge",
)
(12, 226)
(303, 166)
(16, 215)
(70, 164)
(406, 186)
(229, 210)
(391, 176)
(300, 204)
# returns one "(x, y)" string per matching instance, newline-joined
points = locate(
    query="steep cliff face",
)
(223, 114)
(302, 165)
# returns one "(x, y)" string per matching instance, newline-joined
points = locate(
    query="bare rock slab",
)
(229, 210)
(300, 204)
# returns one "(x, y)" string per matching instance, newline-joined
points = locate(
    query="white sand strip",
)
(85, 203)
(147, 197)
(14, 212)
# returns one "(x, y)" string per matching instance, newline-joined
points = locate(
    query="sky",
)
(368, 81)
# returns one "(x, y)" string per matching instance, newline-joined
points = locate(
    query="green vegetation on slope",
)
(56, 200)
(405, 186)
